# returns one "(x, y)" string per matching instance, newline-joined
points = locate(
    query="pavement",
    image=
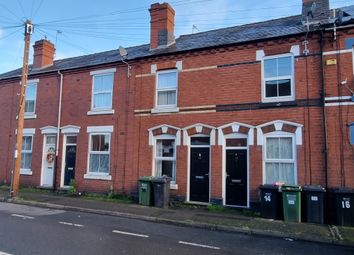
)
(188, 215)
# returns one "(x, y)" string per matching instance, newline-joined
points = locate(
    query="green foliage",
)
(217, 208)
(72, 191)
(110, 197)
(4, 187)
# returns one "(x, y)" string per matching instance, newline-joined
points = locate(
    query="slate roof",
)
(226, 36)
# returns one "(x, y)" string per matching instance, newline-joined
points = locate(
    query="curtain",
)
(278, 149)
(166, 97)
(99, 163)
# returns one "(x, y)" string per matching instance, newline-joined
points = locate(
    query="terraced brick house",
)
(220, 112)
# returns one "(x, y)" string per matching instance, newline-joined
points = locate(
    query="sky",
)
(80, 27)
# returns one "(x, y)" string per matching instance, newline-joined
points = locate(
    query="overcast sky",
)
(79, 27)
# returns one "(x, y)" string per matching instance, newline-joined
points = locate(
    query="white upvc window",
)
(99, 153)
(102, 91)
(31, 98)
(165, 157)
(26, 154)
(166, 89)
(280, 159)
(278, 78)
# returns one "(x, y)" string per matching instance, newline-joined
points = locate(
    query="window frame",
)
(173, 159)
(29, 84)
(351, 133)
(93, 93)
(90, 152)
(27, 171)
(280, 134)
(157, 90)
(291, 77)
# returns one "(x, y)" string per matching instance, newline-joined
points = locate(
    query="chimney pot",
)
(162, 25)
(43, 55)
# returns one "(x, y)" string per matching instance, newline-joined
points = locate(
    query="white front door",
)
(48, 160)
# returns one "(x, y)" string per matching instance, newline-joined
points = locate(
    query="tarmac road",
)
(31, 230)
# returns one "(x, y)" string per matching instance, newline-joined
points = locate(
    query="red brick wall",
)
(131, 155)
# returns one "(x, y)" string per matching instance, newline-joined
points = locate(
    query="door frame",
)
(63, 161)
(42, 158)
(190, 146)
(232, 136)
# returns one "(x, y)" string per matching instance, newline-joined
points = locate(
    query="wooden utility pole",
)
(20, 116)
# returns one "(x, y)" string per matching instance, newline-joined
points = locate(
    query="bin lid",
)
(145, 178)
(291, 188)
(343, 190)
(162, 179)
(269, 186)
(316, 188)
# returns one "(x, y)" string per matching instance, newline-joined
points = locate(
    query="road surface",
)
(31, 230)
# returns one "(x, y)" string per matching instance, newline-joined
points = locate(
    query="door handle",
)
(70, 168)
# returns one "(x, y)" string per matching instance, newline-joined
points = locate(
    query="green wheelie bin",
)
(145, 190)
(291, 203)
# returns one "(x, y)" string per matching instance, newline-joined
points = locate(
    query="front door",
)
(199, 170)
(48, 161)
(236, 177)
(70, 161)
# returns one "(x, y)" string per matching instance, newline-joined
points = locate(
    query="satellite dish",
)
(123, 52)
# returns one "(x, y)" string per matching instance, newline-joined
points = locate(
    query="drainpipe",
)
(58, 130)
(323, 97)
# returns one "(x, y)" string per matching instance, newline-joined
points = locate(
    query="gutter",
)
(323, 96)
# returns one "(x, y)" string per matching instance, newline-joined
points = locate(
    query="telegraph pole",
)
(20, 117)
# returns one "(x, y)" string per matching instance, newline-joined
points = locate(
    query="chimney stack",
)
(162, 25)
(43, 54)
(315, 9)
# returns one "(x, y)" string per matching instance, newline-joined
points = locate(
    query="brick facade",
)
(219, 95)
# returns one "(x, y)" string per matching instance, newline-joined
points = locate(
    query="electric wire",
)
(21, 7)
(11, 12)
(82, 49)
(31, 11)
(36, 11)
(8, 35)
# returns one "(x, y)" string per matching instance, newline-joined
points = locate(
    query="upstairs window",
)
(351, 133)
(31, 95)
(349, 43)
(278, 78)
(102, 91)
(166, 89)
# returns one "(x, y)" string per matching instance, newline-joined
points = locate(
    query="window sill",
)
(272, 104)
(165, 110)
(30, 116)
(174, 186)
(100, 112)
(25, 172)
(98, 177)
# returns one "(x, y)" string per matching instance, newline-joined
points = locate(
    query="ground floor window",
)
(165, 158)
(26, 155)
(99, 153)
(279, 160)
